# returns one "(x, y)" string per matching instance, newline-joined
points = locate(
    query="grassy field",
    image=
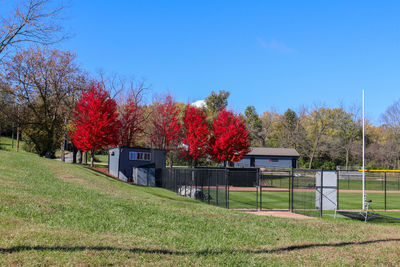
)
(280, 200)
(52, 213)
(102, 158)
(6, 144)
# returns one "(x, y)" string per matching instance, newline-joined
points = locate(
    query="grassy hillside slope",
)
(56, 214)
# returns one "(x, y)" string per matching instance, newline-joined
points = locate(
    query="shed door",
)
(252, 162)
(294, 161)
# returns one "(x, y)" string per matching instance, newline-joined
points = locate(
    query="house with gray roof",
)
(268, 157)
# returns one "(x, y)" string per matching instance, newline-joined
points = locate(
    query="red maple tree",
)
(196, 133)
(132, 118)
(165, 126)
(230, 138)
(96, 123)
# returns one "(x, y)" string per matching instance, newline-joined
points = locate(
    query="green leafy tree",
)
(216, 102)
(317, 123)
(254, 126)
(44, 84)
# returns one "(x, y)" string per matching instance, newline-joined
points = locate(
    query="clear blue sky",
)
(281, 54)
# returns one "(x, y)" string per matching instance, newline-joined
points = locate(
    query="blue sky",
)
(270, 54)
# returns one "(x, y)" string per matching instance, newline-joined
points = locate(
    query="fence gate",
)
(275, 189)
(243, 188)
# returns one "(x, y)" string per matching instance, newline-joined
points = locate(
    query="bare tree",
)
(391, 126)
(34, 21)
(45, 84)
(391, 117)
(132, 112)
(347, 131)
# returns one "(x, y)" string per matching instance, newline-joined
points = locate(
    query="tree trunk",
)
(12, 135)
(92, 158)
(313, 152)
(84, 157)
(74, 153)
(80, 156)
(347, 158)
(224, 163)
(63, 150)
(18, 137)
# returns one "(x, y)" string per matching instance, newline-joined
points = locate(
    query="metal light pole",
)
(363, 152)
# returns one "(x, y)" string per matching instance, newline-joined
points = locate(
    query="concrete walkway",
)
(281, 214)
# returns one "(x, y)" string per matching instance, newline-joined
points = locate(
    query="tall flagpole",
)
(363, 152)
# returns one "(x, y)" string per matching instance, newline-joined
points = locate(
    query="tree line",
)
(51, 101)
(329, 137)
(182, 131)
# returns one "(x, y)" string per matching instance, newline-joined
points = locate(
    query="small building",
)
(266, 157)
(129, 163)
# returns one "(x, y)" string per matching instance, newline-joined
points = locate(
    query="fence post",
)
(226, 194)
(209, 181)
(291, 181)
(216, 190)
(226, 189)
(321, 194)
(385, 190)
(258, 185)
(337, 188)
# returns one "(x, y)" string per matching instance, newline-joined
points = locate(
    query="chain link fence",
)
(223, 187)
(382, 187)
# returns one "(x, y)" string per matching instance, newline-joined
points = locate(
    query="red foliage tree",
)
(96, 123)
(165, 126)
(196, 133)
(230, 138)
(132, 118)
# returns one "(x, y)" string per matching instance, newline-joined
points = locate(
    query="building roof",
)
(136, 147)
(269, 151)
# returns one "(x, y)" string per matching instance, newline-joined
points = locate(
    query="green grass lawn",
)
(248, 200)
(101, 158)
(373, 182)
(6, 144)
(280, 200)
(52, 213)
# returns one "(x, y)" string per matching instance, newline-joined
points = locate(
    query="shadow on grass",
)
(201, 252)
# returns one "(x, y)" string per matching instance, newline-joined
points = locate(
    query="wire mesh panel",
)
(207, 185)
(243, 188)
(305, 199)
(381, 187)
(392, 199)
(275, 189)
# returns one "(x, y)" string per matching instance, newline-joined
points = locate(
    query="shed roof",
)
(269, 151)
(136, 147)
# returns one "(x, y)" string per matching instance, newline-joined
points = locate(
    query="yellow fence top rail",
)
(380, 170)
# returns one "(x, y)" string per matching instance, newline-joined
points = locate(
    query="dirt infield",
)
(280, 214)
